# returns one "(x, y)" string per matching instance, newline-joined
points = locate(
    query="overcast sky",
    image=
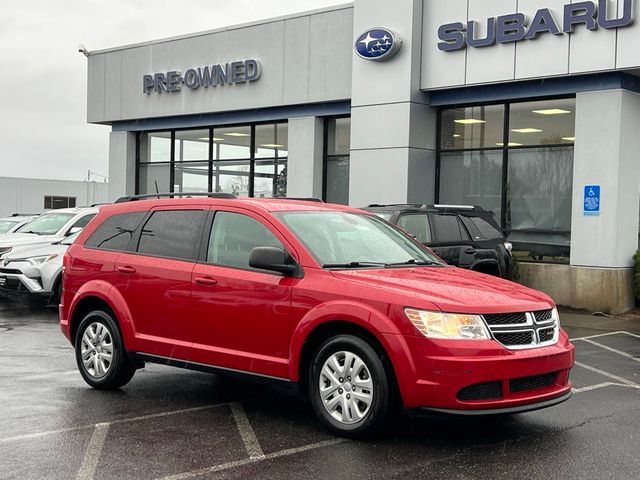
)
(43, 129)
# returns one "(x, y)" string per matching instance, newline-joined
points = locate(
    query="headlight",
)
(4, 250)
(448, 325)
(555, 316)
(508, 246)
(41, 259)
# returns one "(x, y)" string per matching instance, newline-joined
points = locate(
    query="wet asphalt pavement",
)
(174, 424)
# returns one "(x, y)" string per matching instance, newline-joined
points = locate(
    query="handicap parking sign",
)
(592, 200)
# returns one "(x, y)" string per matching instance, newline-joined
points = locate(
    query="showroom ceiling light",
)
(456, 135)
(271, 145)
(526, 130)
(569, 139)
(237, 134)
(510, 144)
(552, 111)
(469, 121)
(215, 139)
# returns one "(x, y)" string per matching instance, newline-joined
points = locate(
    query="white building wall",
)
(26, 195)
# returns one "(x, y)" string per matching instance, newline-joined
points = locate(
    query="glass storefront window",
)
(526, 142)
(231, 143)
(191, 177)
(232, 177)
(551, 122)
(192, 145)
(154, 178)
(472, 127)
(337, 156)
(472, 178)
(156, 147)
(272, 140)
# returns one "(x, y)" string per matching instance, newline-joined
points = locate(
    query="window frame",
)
(325, 152)
(130, 244)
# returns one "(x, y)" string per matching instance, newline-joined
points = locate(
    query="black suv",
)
(464, 236)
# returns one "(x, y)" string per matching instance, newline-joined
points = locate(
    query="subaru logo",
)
(378, 44)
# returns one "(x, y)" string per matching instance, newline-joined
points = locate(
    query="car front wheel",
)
(100, 354)
(349, 387)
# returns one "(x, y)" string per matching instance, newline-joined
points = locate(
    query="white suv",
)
(48, 228)
(13, 222)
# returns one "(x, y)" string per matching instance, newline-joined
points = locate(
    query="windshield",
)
(344, 240)
(6, 225)
(47, 224)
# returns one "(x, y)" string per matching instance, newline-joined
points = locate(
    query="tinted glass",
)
(480, 228)
(154, 178)
(342, 238)
(155, 147)
(172, 234)
(191, 145)
(83, 221)
(47, 224)
(447, 228)
(234, 236)
(115, 232)
(338, 180)
(191, 177)
(339, 136)
(472, 127)
(550, 122)
(232, 143)
(417, 224)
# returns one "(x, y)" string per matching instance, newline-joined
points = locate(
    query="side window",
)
(233, 236)
(83, 221)
(417, 224)
(481, 228)
(172, 234)
(447, 228)
(115, 232)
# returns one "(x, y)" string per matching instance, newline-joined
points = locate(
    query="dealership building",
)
(528, 108)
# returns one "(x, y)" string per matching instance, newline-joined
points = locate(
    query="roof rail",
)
(304, 199)
(99, 204)
(133, 198)
(24, 214)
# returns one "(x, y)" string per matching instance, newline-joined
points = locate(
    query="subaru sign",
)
(378, 44)
(516, 26)
(592, 200)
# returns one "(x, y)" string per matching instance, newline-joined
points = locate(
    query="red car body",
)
(188, 313)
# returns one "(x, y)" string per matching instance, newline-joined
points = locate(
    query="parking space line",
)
(599, 335)
(247, 461)
(614, 350)
(596, 386)
(251, 443)
(93, 452)
(607, 374)
(113, 422)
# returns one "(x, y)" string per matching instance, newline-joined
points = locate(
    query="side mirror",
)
(273, 259)
(73, 231)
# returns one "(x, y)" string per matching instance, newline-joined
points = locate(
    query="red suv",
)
(359, 314)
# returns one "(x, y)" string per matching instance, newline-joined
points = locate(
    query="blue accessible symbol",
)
(592, 200)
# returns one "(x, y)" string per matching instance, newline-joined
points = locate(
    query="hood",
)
(19, 239)
(28, 251)
(451, 289)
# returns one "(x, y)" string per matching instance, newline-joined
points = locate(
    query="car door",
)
(450, 238)
(240, 316)
(156, 279)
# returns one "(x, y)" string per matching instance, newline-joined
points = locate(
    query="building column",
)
(305, 161)
(607, 154)
(122, 164)
(393, 130)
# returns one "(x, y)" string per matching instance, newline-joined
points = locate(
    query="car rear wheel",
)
(100, 354)
(349, 387)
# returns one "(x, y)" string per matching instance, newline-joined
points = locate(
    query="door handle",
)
(207, 281)
(127, 269)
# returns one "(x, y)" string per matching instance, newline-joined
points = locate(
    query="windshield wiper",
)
(354, 265)
(413, 261)
(35, 233)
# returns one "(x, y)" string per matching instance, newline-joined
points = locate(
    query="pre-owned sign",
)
(516, 26)
(208, 76)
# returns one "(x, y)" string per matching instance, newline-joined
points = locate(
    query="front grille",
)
(481, 391)
(10, 270)
(547, 334)
(13, 284)
(515, 338)
(506, 318)
(532, 383)
(543, 316)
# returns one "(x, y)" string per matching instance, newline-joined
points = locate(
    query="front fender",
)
(375, 322)
(112, 297)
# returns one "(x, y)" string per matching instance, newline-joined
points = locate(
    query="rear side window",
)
(172, 234)
(234, 236)
(115, 232)
(447, 228)
(417, 224)
(481, 228)
(83, 221)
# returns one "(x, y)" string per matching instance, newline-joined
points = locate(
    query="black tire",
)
(374, 417)
(57, 293)
(120, 369)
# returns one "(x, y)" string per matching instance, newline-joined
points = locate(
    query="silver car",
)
(35, 271)
(13, 222)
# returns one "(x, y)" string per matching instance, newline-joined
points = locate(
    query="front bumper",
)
(483, 377)
(15, 284)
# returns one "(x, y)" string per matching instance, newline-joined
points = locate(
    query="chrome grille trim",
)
(532, 326)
